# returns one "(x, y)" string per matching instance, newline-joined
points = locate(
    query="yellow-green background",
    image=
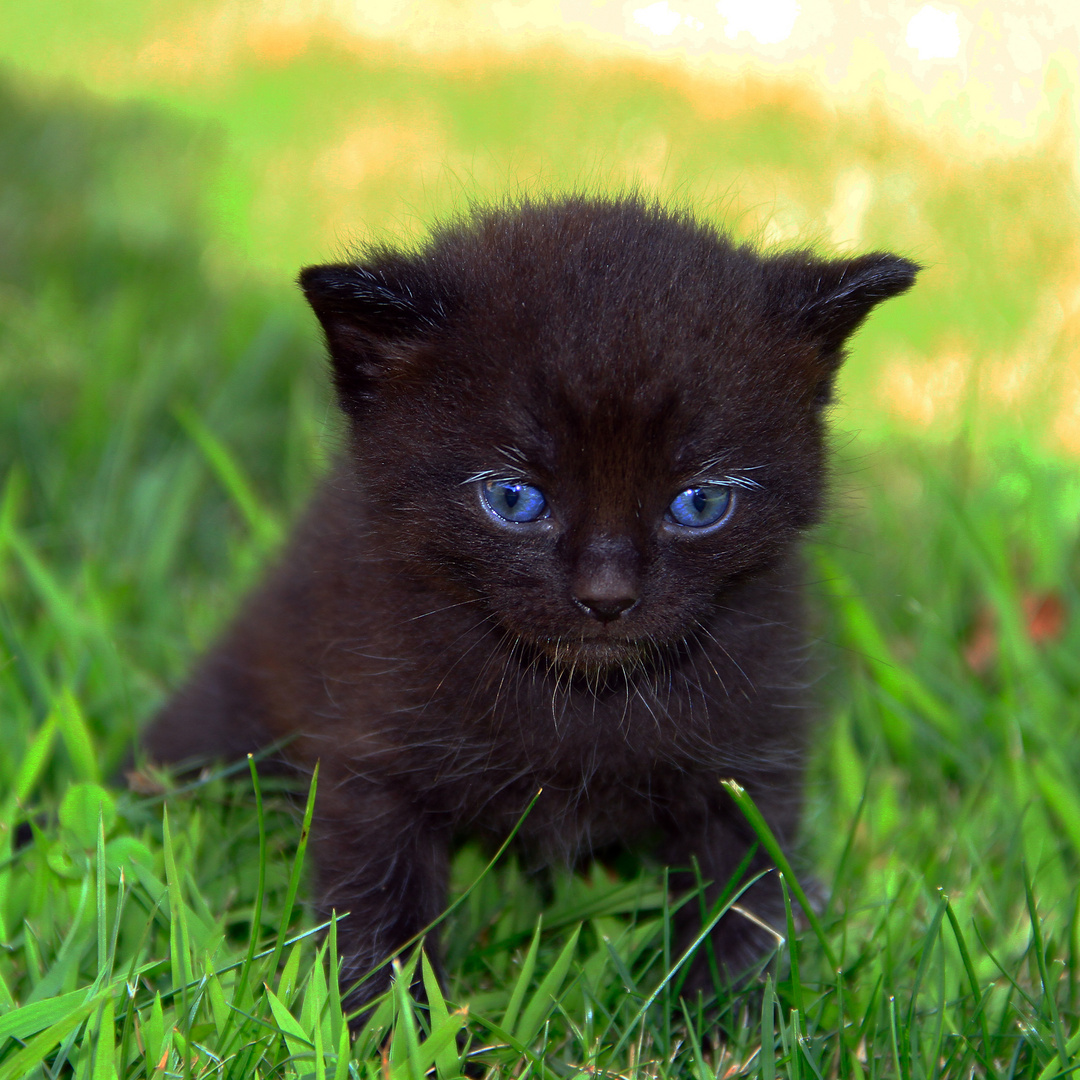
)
(311, 125)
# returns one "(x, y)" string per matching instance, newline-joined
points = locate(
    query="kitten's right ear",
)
(370, 316)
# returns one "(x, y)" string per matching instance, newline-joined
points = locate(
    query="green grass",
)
(159, 426)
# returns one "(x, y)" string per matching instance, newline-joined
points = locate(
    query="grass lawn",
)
(160, 424)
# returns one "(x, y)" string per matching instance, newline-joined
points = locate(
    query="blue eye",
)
(697, 507)
(513, 502)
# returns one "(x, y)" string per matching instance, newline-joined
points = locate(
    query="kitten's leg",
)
(380, 859)
(216, 716)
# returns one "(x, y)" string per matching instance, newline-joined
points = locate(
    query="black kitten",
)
(562, 551)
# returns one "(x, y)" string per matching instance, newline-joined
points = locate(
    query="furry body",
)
(444, 662)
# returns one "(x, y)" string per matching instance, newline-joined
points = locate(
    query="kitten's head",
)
(592, 416)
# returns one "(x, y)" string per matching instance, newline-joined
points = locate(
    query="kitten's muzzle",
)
(606, 580)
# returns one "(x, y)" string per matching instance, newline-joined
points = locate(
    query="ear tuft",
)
(371, 315)
(845, 292)
(388, 300)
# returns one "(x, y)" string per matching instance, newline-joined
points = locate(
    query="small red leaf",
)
(1045, 616)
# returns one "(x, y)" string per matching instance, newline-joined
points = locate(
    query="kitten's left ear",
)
(840, 293)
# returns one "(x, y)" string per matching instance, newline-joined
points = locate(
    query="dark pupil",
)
(700, 501)
(512, 495)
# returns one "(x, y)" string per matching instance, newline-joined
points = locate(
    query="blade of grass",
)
(178, 935)
(769, 842)
(287, 983)
(703, 913)
(767, 1058)
(542, 1001)
(27, 1020)
(447, 1061)
(128, 1028)
(105, 1044)
(344, 1048)
(1049, 995)
(102, 912)
(256, 918)
(77, 737)
(1061, 798)
(894, 1041)
(264, 525)
(699, 1069)
(297, 869)
(34, 761)
(337, 1020)
(405, 1060)
(930, 939)
(521, 985)
(27, 775)
(71, 951)
(793, 949)
(63, 610)
(299, 1043)
(986, 1055)
(898, 680)
(22, 1063)
(789, 1033)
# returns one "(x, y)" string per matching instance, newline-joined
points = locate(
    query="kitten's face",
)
(599, 418)
(596, 498)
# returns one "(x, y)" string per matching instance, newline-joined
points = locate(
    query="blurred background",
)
(265, 134)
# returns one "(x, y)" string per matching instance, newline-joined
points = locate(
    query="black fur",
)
(444, 665)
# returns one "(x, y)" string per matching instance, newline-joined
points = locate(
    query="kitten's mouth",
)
(592, 656)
